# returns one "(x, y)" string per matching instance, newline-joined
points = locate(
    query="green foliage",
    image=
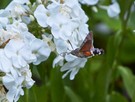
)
(4, 3)
(116, 97)
(128, 80)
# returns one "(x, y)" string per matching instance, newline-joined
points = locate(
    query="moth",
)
(87, 49)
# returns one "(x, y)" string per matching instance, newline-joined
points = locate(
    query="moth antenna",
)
(64, 53)
(70, 44)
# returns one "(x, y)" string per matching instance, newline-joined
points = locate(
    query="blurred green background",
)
(106, 78)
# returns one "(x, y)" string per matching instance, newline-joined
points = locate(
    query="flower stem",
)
(27, 95)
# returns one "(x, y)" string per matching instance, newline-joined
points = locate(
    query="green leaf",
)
(133, 98)
(73, 97)
(131, 24)
(116, 97)
(128, 79)
(57, 87)
(4, 3)
(112, 49)
(124, 6)
(103, 77)
(128, 48)
(36, 94)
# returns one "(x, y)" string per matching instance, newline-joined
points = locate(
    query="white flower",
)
(13, 52)
(14, 86)
(4, 36)
(3, 21)
(16, 9)
(78, 36)
(73, 66)
(59, 60)
(5, 63)
(19, 30)
(41, 50)
(63, 18)
(102, 28)
(14, 93)
(48, 39)
(89, 2)
(113, 10)
(41, 15)
(27, 55)
(26, 74)
(4, 13)
(69, 57)
(17, 27)
(64, 31)
(15, 80)
(14, 3)
(68, 26)
(61, 46)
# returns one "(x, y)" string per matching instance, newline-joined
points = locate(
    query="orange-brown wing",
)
(87, 53)
(87, 43)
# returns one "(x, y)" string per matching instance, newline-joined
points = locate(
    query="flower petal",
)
(73, 73)
(113, 10)
(41, 15)
(58, 61)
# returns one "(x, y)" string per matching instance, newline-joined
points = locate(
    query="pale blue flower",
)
(41, 50)
(73, 67)
(41, 14)
(113, 10)
(89, 2)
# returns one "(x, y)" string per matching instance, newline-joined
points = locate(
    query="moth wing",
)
(87, 43)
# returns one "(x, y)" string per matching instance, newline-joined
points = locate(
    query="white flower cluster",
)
(66, 21)
(18, 48)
